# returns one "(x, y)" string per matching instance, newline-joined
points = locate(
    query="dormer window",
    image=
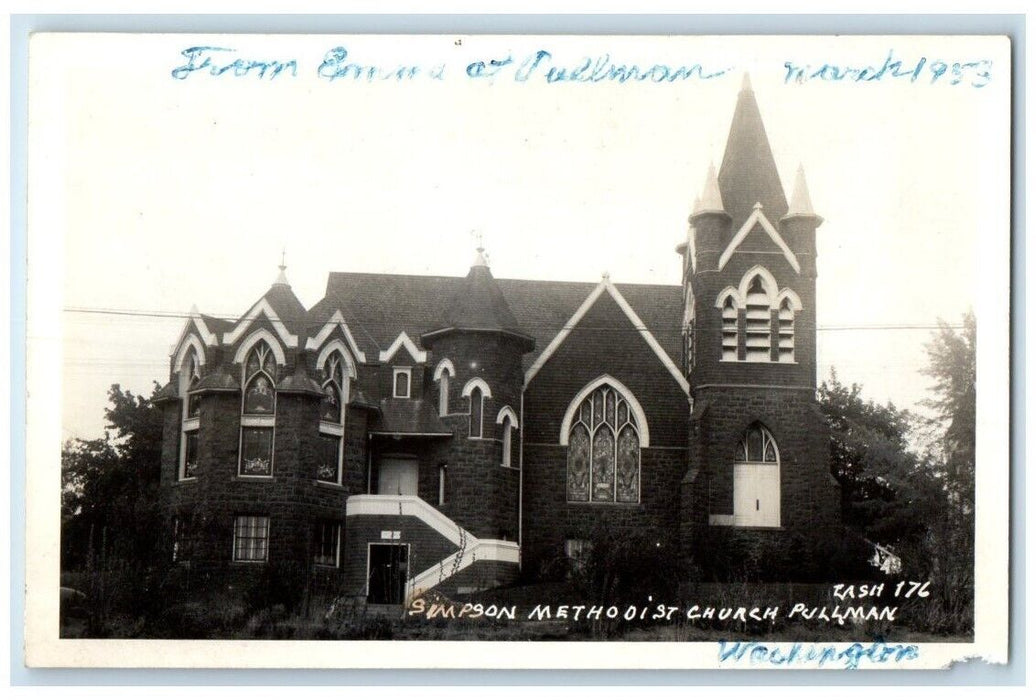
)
(401, 383)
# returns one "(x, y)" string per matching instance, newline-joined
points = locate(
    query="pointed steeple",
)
(801, 204)
(748, 173)
(282, 279)
(711, 199)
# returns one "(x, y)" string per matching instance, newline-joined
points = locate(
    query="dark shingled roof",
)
(299, 383)
(749, 173)
(409, 417)
(220, 380)
(286, 307)
(217, 325)
(377, 307)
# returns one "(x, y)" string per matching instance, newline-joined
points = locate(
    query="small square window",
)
(251, 538)
(401, 383)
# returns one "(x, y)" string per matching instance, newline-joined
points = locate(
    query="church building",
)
(410, 433)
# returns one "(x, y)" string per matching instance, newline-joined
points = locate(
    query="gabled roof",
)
(378, 307)
(748, 173)
(282, 308)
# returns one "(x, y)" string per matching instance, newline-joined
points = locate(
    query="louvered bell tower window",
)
(757, 323)
(729, 330)
(786, 332)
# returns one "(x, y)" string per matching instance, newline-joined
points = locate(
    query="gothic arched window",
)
(258, 408)
(332, 409)
(332, 417)
(475, 413)
(190, 375)
(604, 450)
(757, 479)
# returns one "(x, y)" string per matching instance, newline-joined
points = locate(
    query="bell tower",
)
(758, 445)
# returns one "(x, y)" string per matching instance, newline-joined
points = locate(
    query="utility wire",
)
(676, 330)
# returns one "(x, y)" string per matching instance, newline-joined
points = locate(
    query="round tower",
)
(476, 359)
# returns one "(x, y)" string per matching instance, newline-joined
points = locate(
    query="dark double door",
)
(387, 574)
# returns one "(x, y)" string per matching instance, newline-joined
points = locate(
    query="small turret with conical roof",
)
(478, 348)
(799, 226)
(711, 223)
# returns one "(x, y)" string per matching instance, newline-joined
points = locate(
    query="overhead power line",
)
(917, 326)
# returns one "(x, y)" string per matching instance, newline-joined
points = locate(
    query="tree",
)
(951, 358)
(951, 544)
(109, 485)
(888, 494)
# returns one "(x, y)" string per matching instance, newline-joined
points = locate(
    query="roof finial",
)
(481, 260)
(281, 277)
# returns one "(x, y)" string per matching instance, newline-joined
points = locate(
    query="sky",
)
(150, 194)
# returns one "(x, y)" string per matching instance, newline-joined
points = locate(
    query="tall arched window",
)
(508, 422)
(332, 418)
(444, 372)
(258, 408)
(604, 450)
(190, 375)
(757, 479)
(444, 392)
(475, 413)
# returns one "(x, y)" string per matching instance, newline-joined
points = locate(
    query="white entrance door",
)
(757, 494)
(397, 477)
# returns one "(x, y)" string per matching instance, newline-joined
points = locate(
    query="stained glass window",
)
(627, 477)
(604, 450)
(579, 464)
(331, 405)
(327, 462)
(257, 451)
(260, 374)
(756, 445)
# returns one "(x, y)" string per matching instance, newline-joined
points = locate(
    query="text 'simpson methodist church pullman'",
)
(415, 432)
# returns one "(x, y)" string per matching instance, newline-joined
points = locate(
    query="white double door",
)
(757, 494)
(397, 476)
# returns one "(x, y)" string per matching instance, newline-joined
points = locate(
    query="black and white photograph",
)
(698, 345)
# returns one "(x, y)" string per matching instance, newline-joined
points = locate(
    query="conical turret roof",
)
(478, 302)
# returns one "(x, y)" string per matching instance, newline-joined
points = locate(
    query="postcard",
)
(598, 351)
